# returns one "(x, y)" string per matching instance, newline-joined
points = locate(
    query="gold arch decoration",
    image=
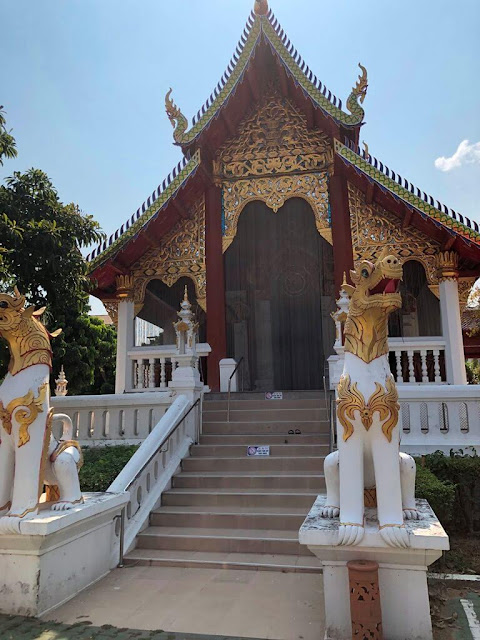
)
(373, 228)
(273, 158)
(181, 253)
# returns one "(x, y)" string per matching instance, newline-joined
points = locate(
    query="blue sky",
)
(84, 81)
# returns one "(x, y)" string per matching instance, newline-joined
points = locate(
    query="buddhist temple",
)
(271, 204)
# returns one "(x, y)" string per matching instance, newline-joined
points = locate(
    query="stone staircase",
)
(232, 511)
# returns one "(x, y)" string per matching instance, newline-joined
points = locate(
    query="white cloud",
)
(466, 153)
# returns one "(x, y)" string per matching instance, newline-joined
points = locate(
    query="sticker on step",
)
(274, 395)
(262, 450)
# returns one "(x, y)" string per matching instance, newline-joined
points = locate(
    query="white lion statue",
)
(30, 457)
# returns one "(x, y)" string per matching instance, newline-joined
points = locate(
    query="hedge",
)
(463, 474)
(102, 465)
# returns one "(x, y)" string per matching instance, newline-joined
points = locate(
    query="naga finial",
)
(176, 117)
(261, 7)
(360, 89)
(365, 150)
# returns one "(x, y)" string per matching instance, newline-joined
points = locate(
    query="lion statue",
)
(30, 457)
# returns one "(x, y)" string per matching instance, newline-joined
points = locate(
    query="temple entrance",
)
(279, 295)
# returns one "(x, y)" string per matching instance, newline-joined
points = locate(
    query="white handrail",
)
(149, 472)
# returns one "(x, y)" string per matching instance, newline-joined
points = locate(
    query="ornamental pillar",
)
(447, 264)
(340, 220)
(125, 333)
(216, 328)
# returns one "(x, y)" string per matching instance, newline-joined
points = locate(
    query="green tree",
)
(42, 240)
(8, 146)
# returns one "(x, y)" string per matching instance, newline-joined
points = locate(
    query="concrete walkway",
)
(225, 603)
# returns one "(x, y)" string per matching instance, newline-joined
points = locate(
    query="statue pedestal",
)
(58, 554)
(402, 572)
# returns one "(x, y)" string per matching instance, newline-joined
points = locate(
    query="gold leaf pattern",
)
(383, 400)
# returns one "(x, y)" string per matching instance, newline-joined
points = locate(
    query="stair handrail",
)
(230, 386)
(149, 453)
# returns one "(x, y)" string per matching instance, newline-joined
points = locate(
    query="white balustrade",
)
(153, 366)
(149, 472)
(418, 360)
(439, 417)
(115, 418)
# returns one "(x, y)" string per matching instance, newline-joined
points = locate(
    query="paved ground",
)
(219, 603)
(17, 628)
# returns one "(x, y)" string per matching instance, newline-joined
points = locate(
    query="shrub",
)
(463, 472)
(439, 493)
(102, 465)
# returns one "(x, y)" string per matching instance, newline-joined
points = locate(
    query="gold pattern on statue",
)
(65, 444)
(383, 400)
(372, 299)
(28, 339)
(181, 253)
(27, 409)
(374, 227)
(274, 157)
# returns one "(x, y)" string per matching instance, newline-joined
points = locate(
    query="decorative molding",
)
(275, 192)
(125, 284)
(447, 265)
(274, 157)
(465, 287)
(112, 309)
(181, 253)
(374, 228)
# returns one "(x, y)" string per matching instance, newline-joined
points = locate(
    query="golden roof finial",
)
(344, 278)
(185, 295)
(261, 7)
(365, 149)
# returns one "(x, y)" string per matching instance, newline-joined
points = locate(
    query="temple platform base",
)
(57, 554)
(402, 574)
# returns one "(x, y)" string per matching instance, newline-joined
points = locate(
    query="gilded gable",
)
(374, 227)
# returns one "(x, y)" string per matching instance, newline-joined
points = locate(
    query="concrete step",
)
(246, 439)
(265, 428)
(216, 405)
(260, 395)
(225, 540)
(261, 464)
(265, 415)
(276, 450)
(218, 560)
(225, 518)
(234, 498)
(241, 480)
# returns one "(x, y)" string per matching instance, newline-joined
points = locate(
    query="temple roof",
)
(404, 190)
(263, 27)
(147, 212)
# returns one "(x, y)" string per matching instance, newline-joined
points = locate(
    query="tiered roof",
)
(263, 47)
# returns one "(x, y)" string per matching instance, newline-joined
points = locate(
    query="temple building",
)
(271, 204)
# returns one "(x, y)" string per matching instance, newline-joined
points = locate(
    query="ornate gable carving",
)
(274, 139)
(373, 228)
(274, 157)
(182, 253)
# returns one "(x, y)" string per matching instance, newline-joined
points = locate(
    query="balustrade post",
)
(423, 356)
(398, 358)
(162, 373)
(411, 370)
(436, 365)
(151, 373)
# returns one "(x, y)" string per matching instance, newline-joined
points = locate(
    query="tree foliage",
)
(41, 239)
(8, 146)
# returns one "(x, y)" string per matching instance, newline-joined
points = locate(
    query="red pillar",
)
(341, 229)
(216, 329)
